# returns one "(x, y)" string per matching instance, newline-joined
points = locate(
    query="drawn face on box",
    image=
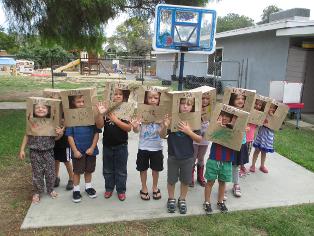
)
(121, 95)
(237, 100)
(205, 100)
(226, 119)
(272, 109)
(259, 105)
(187, 105)
(152, 98)
(41, 111)
(76, 101)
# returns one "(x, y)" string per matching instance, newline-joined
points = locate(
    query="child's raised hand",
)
(166, 121)
(60, 130)
(135, 122)
(184, 127)
(247, 129)
(102, 109)
(22, 155)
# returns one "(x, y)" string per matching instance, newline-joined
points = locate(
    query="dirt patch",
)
(19, 96)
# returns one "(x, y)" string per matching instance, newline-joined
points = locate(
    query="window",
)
(213, 63)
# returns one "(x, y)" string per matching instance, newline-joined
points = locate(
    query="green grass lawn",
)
(295, 144)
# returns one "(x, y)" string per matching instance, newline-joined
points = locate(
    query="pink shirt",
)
(250, 133)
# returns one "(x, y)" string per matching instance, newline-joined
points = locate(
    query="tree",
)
(74, 24)
(233, 21)
(134, 35)
(8, 41)
(267, 12)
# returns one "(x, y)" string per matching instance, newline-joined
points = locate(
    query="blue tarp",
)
(7, 61)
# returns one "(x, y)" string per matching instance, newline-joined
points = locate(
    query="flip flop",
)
(155, 195)
(146, 198)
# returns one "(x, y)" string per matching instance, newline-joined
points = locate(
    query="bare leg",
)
(155, 175)
(255, 156)
(143, 175)
(263, 158)
(208, 190)
(88, 177)
(76, 179)
(57, 168)
(184, 190)
(221, 190)
(69, 167)
(171, 188)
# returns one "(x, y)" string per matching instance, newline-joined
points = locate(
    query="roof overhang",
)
(307, 31)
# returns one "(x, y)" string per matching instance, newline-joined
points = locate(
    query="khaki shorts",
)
(180, 169)
(84, 164)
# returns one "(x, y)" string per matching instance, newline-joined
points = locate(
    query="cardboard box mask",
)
(43, 116)
(153, 94)
(124, 109)
(79, 106)
(231, 95)
(209, 100)
(193, 100)
(227, 126)
(274, 121)
(52, 93)
(260, 110)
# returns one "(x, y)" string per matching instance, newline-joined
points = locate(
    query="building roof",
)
(296, 26)
(7, 61)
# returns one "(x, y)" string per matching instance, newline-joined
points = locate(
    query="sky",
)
(250, 8)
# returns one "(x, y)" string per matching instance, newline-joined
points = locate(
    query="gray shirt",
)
(149, 137)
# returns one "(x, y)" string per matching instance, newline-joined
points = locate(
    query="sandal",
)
(182, 206)
(144, 196)
(53, 194)
(36, 198)
(156, 195)
(171, 205)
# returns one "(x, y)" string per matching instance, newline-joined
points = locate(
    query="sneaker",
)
(182, 206)
(236, 190)
(171, 205)
(76, 196)
(57, 182)
(207, 208)
(263, 169)
(69, 185)
(222, 207)
(252, 169)
(107, 194)
(121, 196)
(91, 192)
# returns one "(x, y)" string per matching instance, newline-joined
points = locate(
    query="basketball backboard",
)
(184, 28)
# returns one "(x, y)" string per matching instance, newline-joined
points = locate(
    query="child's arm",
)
(59, 132)
(90, 150)
(124, 126)
(22, 149)
(76, 152)
(185, 128)
(136, 123)
(99, 120)
(164, 126)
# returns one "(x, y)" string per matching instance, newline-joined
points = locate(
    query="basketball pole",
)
(180, 84)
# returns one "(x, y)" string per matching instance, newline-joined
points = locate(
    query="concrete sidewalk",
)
(286, 184)
(12, 105)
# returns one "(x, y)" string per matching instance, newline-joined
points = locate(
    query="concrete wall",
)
(308, 88)
(267, 58)
(195, 64)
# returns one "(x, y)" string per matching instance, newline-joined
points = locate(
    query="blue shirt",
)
(83, 137)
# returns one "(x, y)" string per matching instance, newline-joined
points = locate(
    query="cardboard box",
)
(274, 121)
(227, 126)
(52, 93)
(46, 126)
(258, 117)
(193, 118)
(230, 93)
(84, 116)
(153, 113)
(210, 93)
(126, 109)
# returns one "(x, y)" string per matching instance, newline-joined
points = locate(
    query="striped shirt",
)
(221, 153)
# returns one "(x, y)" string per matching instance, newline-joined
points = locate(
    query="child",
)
(180, 158)
(62, 153)
(150, 149)
(241, 158)
(219, 166)
(83, 142)
(200, 149)
(263, 143)
(250, 135)
(41, 156)
(115, 148)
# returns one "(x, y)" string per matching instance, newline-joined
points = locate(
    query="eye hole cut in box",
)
(237, 100)
(41, 111)
(187, 105)
(227, 119)
(152, 98)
